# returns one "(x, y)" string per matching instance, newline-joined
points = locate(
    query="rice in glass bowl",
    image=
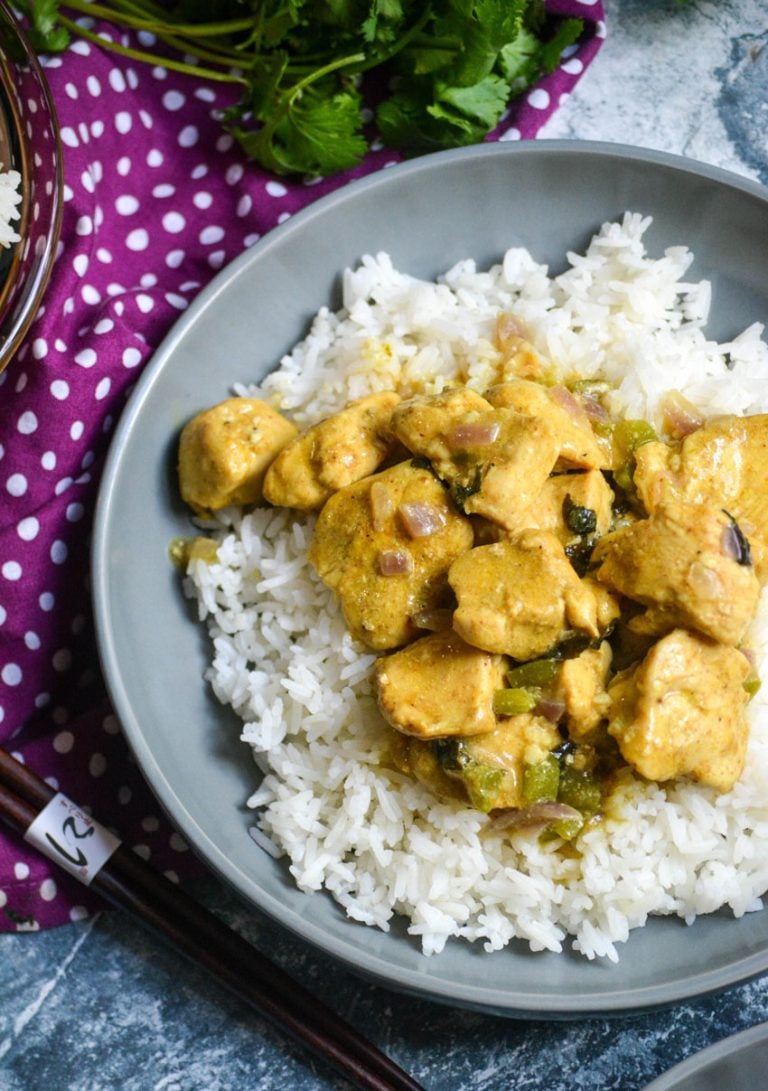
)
(31, 184)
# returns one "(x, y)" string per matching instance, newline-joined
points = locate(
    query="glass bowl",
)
(29, 144)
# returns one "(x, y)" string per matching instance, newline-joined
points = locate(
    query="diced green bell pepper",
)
(541, 780)
(512, 702)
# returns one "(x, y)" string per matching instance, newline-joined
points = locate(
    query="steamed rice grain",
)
(379, 842)
(10, 199)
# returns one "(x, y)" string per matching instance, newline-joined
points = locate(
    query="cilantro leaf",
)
(403, 121)
(456, 80)
(318, 132)
(472, 33)
(536, 17)
(501, 23)
(567, 33)
(519, 60)
(473, 109)
(382, 19)
(43, 33)
(420, 120)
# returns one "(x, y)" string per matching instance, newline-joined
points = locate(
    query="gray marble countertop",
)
(100, 1005)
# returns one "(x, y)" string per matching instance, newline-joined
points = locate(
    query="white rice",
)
(377, 841)
(10, 199)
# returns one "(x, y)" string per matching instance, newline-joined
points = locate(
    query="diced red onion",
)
(735, 544)
(731, 544)
(538, 814)
(509, 329)
(395, 562)
(382, 505)
(477, 433)
(571, 404)
(436, 621)
(594, 409)
(550, 709)
(750, 655)
(680, 416)
(420, 519)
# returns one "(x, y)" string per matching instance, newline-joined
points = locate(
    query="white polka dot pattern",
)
(157, 198)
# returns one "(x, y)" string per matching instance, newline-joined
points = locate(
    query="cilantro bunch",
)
(442, 73)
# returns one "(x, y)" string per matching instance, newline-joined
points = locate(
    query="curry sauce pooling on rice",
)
(557, 597)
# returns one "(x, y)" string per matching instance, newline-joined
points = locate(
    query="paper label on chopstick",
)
(72, 839)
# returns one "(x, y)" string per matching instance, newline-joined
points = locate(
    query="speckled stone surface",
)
(682, 76)
(100, 1005)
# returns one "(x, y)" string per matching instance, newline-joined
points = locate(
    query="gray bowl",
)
(738, 1063)
(549, 196)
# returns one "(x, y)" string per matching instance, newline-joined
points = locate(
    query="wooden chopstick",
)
(130, 883)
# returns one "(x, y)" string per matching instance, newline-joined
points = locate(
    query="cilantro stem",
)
(401, 42)
(112, 15)
(310, 59)
(172, 34)
(226, 60)
(142, 7)
(151, 58)
(160, 24)
(257, 29)
(318, 73)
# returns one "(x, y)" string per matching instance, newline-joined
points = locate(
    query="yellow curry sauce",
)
(555, 595)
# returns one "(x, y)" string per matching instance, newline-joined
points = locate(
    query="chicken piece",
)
(607, 605)
(520, 597)
(224, 453)
(512, 476)
(581, 683)
(681, 711)
(486, 770)
(439, 686)
(680, 562)
(567, 502)
(724, 463)
(332, 454)
(385, 545)
(652, 474)
(424, 424)
(563, 411)
(495, 460)
(419, 758)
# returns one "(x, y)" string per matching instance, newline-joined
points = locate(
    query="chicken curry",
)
(555, 596)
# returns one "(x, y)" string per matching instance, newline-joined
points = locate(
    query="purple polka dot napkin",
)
(157, 199)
